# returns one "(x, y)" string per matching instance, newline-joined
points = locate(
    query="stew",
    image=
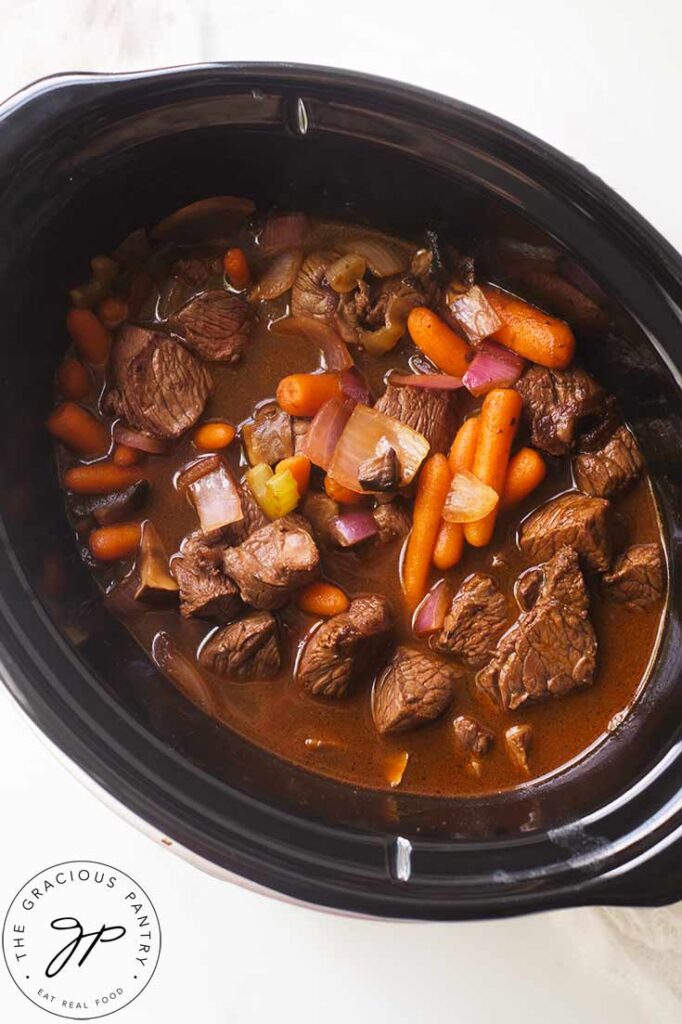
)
(357, 500)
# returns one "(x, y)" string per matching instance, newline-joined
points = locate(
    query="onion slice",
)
(136, 439)
(183, 672)
(493, 366)
(214, 493)
(280, 275)
(384, 257)
(354, 385)
(430, 613)
(468, 499)
(431, 381)
(334, 349)
(352, 528)
(473, 314)
(283, 231)
(325, 430)
(203, 220)
(359, 440)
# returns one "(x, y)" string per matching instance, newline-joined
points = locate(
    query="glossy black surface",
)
(85, 160)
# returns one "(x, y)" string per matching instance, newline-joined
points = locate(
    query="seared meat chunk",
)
(527, 588)
(519, 741)
(551, 649)
(205, 591)
(344, 648)
(320, 510)
(610, 469)
(413, 689)
(393, 521)
(556, 403)
(159, 386)
(476, 621)
(215, 324)
(268, 438)
(637, 577)
(430, 413)
(246, 649)
(471, 736)
(196, 270)
(582, 522)
(273, 562)
(381, 472)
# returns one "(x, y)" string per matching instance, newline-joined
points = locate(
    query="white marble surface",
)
(600, 81)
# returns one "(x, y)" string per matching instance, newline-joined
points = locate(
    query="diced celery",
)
(257, 479)
(281, 495)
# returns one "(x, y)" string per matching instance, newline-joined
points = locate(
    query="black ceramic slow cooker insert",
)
(86, 159)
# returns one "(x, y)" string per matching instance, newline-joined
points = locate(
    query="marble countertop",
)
(599, 81)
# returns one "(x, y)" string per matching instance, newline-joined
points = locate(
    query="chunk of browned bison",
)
(637, 577)
(215, 324)
(246, 649)
(611, 469)
(412, 690)
(475, 622)
(273, 562)
(577, 520)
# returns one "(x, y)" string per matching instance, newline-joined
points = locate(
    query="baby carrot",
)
(101, 478)
(432, 490)
(532, 333)
(302, 394)
(89, 335)
(111, 543)
(299, 466)
(322, 599)
(78, 429)
(499, 419)
(124, 455)
(73, 379)
(526, 471)
(337, 492)
(450, 539)
(112, 311)
(237, 268)
(209, 437)
(438, 342)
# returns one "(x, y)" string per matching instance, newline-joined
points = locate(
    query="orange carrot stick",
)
(124, 455)
(303, 394)
(438, 342)
(112, 543)
(526, 471)
(78, 429)
(299, 466)
(322, 599)
(209, 437)
(112, 311)
(432, 489)
(89, 335)
(450, 540)
(101, 478)
(499, 419)
(532, 333)
(337, 492)
(237, 268)
(73, 379)
(463, 448)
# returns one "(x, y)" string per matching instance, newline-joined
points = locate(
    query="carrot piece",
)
(526, 471)
(337, 492)
(299, 466)
(78, 429)
(89, 335)
(499, 419)
(124, 455)
(303, 394)
(322, 599)
(112, 311)
(450, 540)
(211, 436)
(438, 342)
(112, 543)
(237, 268)
(101, 478)
(432, 490)
(73, 379)
(530, 331)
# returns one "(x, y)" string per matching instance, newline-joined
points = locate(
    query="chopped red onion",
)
(136, 439)
(434, 381)
(283, 231)
(493, 366)
(334, 349)
(325, 430)
(183, 672)
(354, 385)
(352, 528)
(430, 613)
(280, 274)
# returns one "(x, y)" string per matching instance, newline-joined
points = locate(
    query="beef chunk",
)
(519, 740)
(268, 438)
(637, 577)
(472, 737)
(393, 521)
(413, 689)
(527, 588)
(430, 413)
(196, 270)
(593, 439)
(476, 620)
(246, 649)
(254, 517)
(159, 386)
(556, 403)
(381, 472)
(345, 647)
(273, 562)
(319, 509)
(550, 650)
(582, 522)
(216, 325)
(205, 591)
(610, 469)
